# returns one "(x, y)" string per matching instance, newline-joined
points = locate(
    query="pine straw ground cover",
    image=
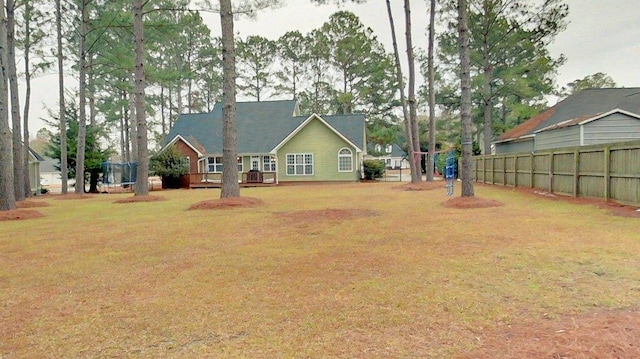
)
(348, 271)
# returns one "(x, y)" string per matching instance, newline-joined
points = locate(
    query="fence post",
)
(532, 171)
(576, 172)
(515, 171)
(504, 170)
(551, 158)
(607, 172)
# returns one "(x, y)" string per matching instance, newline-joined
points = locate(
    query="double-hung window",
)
(214, 164)
(299, 164)
(268, 164)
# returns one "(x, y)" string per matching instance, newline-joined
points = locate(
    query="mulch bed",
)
(31, 204)
(227, 203)
(471, 202)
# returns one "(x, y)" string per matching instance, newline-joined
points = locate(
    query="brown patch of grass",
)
(595, 335)
(19, 214)
(31, 204)
(226, 203)
(138, 199)
(471, 202)
(614, 208)
(421, 186)
(327, 214)
(418, 280)
(73, 196)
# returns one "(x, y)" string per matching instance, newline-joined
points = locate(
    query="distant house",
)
(391, 154)
(275, 144)
(592, 116)
(34, 171)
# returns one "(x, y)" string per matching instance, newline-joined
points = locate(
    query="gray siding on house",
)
(561, 137)
(515, 147)
(616, 127)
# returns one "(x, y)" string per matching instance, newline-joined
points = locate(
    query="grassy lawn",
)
(405, 278)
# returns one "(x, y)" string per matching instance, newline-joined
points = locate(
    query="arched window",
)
(345, 160)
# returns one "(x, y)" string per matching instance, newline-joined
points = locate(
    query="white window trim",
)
(271, 165)
(215, 164)
(286, 171)
(350, 156)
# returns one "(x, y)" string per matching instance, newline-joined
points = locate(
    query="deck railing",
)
(215, 179)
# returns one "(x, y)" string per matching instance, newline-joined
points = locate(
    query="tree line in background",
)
(121, 91)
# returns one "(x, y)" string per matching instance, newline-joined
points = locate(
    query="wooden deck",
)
(247, 179)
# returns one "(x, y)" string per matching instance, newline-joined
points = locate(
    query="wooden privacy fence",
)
(609, 171)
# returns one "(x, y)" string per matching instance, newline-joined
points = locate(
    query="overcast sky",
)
(602, 36)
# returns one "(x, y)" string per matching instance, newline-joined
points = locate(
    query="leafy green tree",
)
(597, 80)
(256, 57)
(510, 63)
(293, 57)
(94, 155)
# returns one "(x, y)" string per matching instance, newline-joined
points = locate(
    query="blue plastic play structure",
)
(450, 172)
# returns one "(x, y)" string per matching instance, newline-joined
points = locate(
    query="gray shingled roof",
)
(261, 126)
(589, 102)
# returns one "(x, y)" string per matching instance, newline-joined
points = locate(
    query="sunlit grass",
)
(98, 279)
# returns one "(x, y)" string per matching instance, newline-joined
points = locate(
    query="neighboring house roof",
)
(582, 105)
(36, 155)
(48, 165)
(396, 151)
(260, 127)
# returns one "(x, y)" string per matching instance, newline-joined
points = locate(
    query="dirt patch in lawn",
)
(226, 203)
(327, 214)
(604, 334)
(136, 199)
(471, 202)
(421, 186)
(19, 214)
(31, 204)
(72, 196)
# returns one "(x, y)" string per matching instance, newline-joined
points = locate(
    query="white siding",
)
(616, 127)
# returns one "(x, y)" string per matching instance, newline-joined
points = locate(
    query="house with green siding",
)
(276, 144)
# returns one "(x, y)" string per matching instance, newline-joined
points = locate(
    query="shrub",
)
(373, 169)
(170, 166)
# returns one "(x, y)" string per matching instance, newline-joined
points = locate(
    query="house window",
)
(214, 164)
(389, 148)
(239, 164)
(268, 164)
(345, 160)
(299, 164)
(255, 163)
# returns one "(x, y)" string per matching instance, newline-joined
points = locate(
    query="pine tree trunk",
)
(403, 99)
(64, 165)
(432, 94)
(465, 101)
(413, 112)
(27, 98)
(82, 94)
(142, 175)
(7, 193)
(18, 151)
(230, 187)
